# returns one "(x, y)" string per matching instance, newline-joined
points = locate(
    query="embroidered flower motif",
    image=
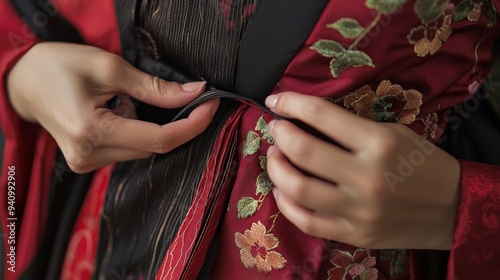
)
(426, 46)
(480, 185)
(359, 265)
(256, 247)
(475, 13)
(430, 124)
(389, 103)
(491, 215)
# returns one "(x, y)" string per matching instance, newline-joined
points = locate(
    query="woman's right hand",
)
(66, 88)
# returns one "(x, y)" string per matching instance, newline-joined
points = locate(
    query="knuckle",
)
(384, 143)
(282, 105)
(161, 87)
(80, 132)
(307, 226)
(76, 162)
(298, 188)
(108, 66)
(300, 150)
(313, 110)
(162, 145)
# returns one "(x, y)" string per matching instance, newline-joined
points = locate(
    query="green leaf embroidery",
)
(348, 27)
(262, 127)
(462, 10)
(429, 10)
(349, 58)
(385, 6)
(399, 261)
(359, 58)
(264, 184)
(328, 48)
(261, 124)
(337, 65)
(246, 207)
(252, 144)
(263, 162)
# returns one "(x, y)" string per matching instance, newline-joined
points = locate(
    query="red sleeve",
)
(29, 149)
(21, 154)
(476, 241)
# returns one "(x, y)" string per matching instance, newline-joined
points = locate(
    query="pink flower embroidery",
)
(256, 249)
(359, 265)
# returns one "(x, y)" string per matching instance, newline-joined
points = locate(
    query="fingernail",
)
(271, 101)
(270, 126)
(193, 86)
(271, 150)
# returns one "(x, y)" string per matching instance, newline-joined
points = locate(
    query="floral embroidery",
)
(428, 37)
(247, 206)
(256, 249)
(389, 103)
(431, 127)
(480, 185)
(360, 265)
(227, 5)
(399, 261)
(491, 215)
(424, 46)
(349, 28)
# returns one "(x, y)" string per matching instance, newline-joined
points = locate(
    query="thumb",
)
(156, 91)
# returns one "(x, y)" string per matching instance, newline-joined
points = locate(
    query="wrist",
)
(16, 96)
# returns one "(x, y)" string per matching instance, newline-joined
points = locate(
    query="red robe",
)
(443, 64)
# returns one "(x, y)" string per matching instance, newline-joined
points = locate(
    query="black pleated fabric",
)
(147, 200)
(181, 41)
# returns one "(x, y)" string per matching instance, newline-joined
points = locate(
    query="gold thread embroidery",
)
(256, 249)
(359, 265)
(248, 206)
(389, 103)
(252, 143)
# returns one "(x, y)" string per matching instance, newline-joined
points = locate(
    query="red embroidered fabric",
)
(476, 240)
(443, 78)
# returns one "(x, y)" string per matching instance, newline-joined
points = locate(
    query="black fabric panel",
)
(44, 20)
(66, 195)
(277, 31)
(146, 203)
(474, 133)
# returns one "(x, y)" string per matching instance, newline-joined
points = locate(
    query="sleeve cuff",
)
(476, 240)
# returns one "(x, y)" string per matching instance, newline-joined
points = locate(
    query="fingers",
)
(314, 155)
(313, 193)
(150, 137)
(155, 91)
(349, 130)
(99, 157)
(310, 222)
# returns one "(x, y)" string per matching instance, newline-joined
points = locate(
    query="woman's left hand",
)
(389, 188)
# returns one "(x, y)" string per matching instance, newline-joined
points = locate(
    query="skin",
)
(347, 198)
(65, 88)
